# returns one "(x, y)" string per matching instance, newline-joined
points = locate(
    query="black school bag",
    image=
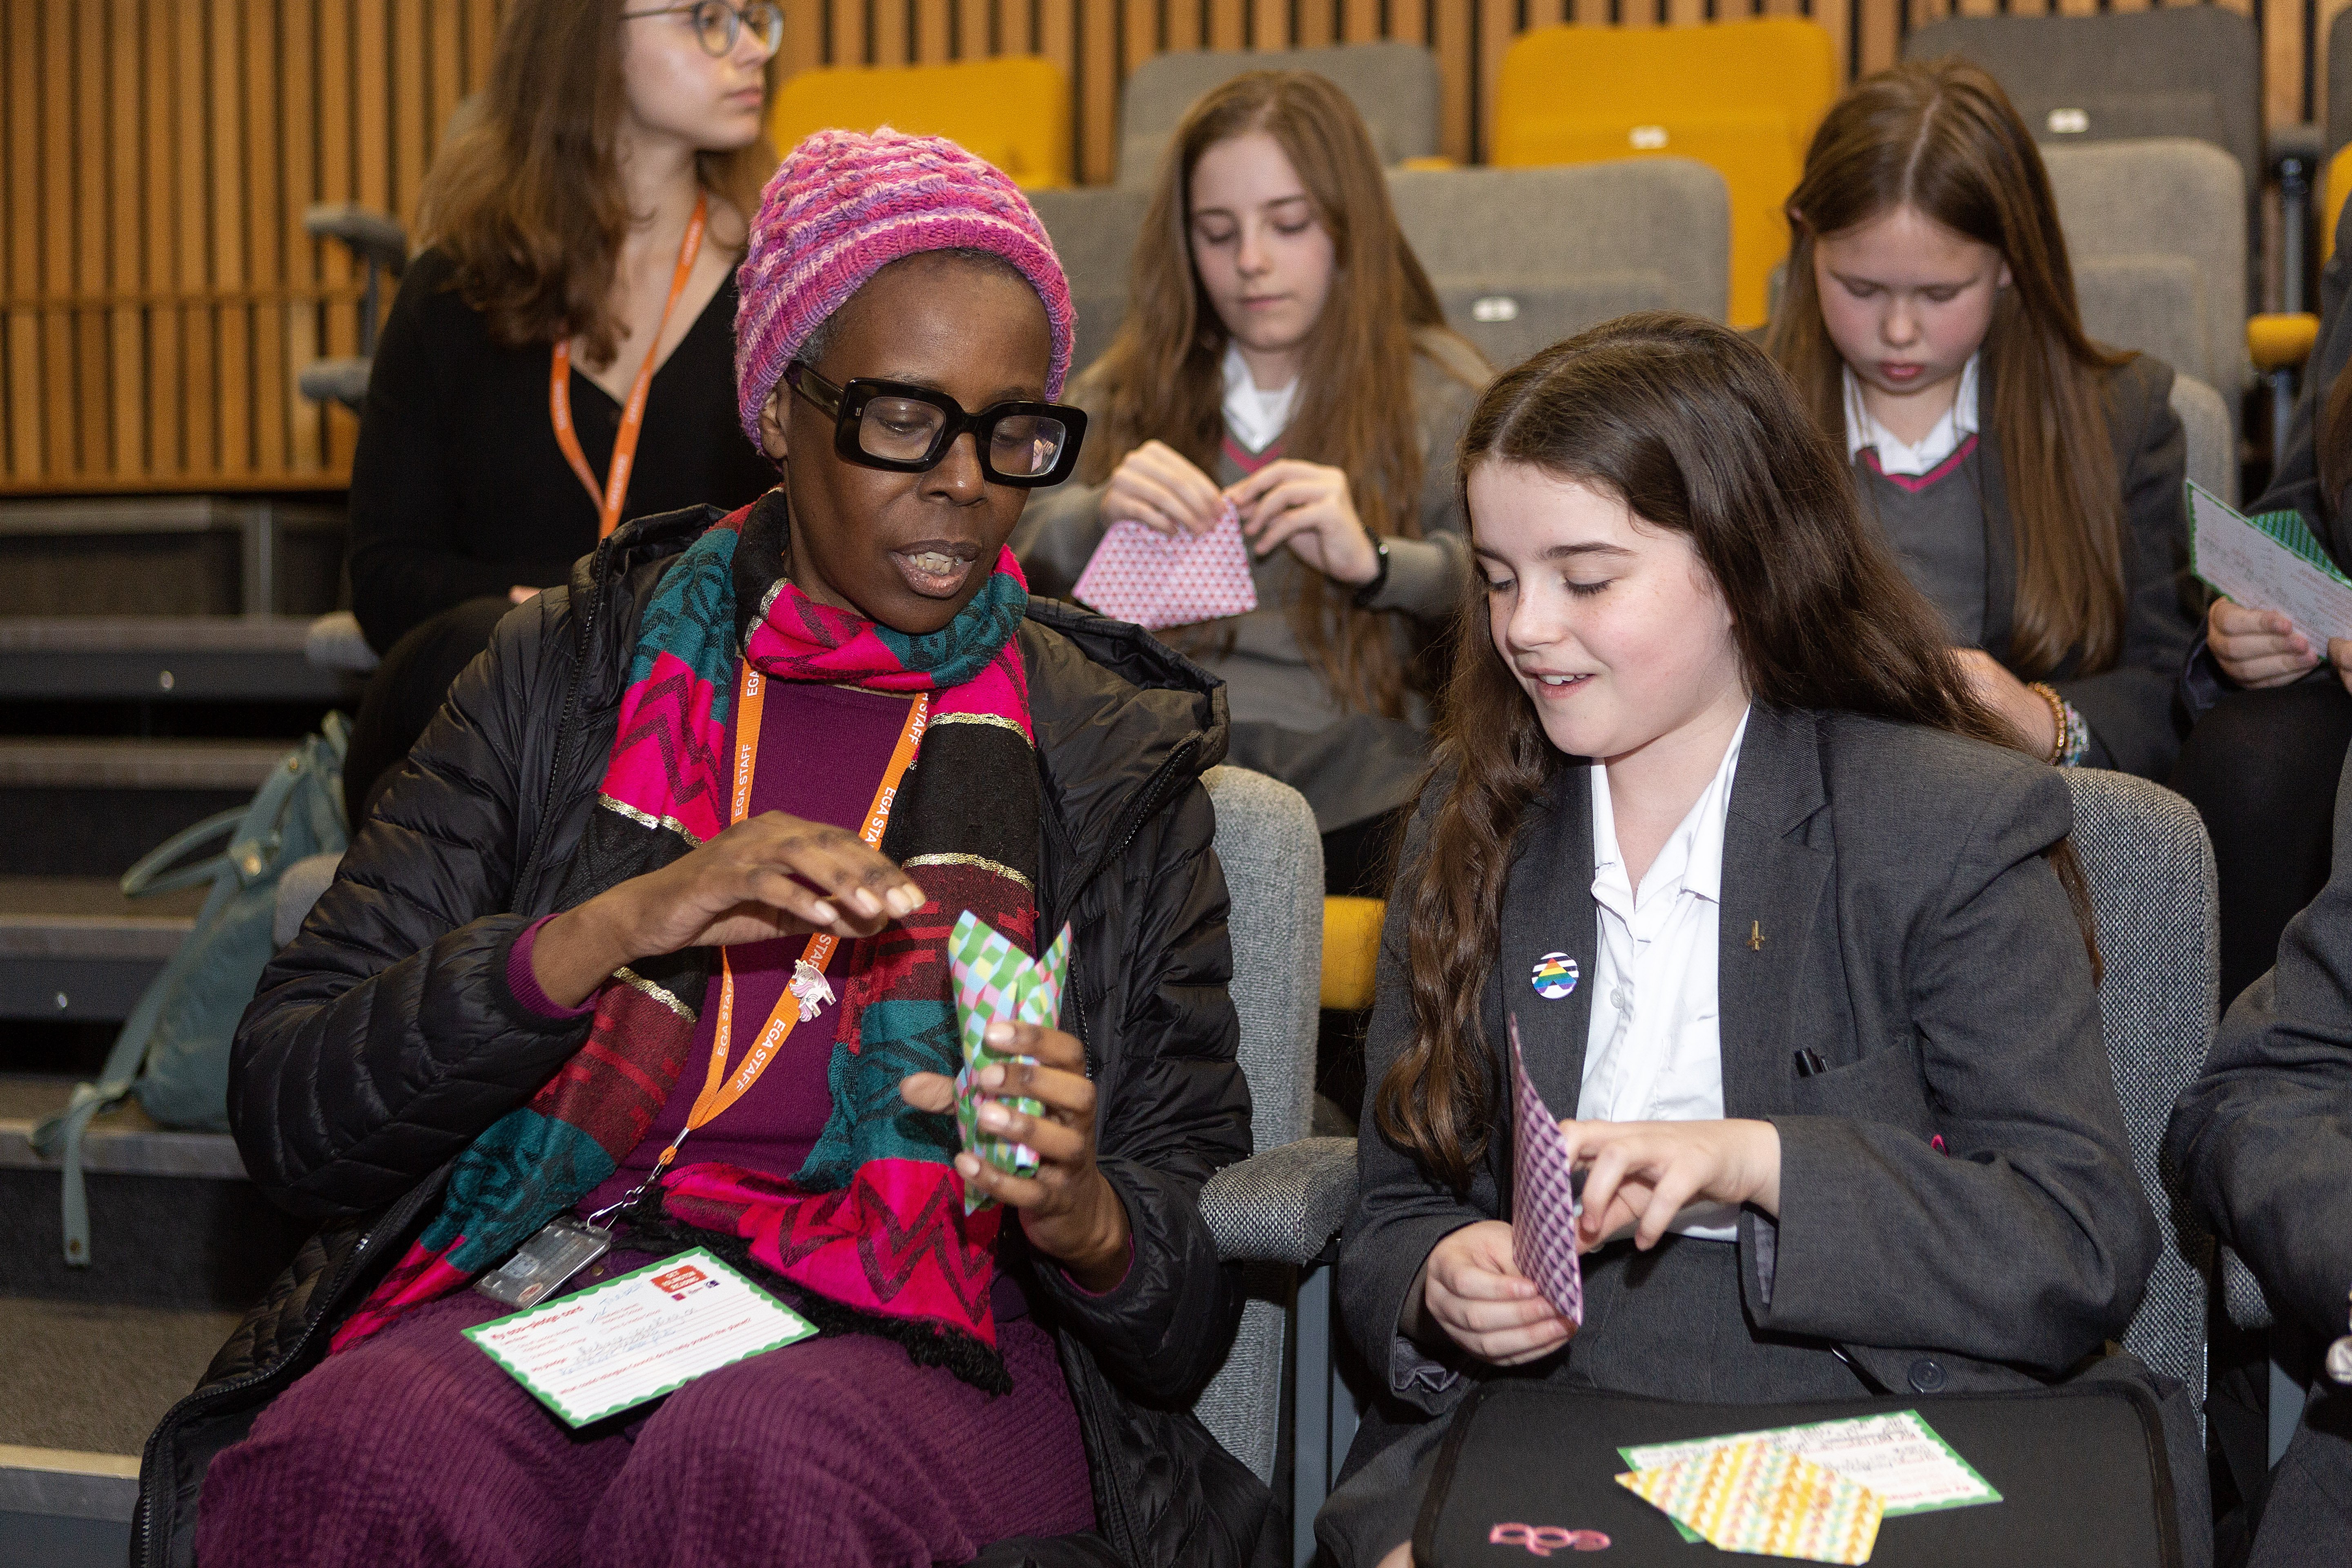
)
(1528, 1471)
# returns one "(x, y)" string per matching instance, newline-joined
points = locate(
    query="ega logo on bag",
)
(1543, 1540)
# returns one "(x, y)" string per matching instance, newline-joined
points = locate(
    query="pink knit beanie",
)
(842, 205)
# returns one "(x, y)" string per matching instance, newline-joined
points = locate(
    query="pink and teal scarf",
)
(870, 1233)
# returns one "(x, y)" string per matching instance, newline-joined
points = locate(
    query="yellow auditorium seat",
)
(1351, 951)
(2277, 341)
(1742, 97)
(1014, 110)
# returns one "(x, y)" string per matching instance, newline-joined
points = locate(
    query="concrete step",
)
(79, 1391)
(63, 1508)
(175, 1223)
(147, 555)
(129, 764)
(168, 659)
(75, 948)
(103, 803)
(121, 1142)
(96, 1379)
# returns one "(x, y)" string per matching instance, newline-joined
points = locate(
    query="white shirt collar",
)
(1256, 418)
(1861, 430)
(1691, 857)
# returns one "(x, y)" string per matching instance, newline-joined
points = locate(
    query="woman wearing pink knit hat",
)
(648, 954)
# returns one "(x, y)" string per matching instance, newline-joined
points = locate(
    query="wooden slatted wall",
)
(158, 296)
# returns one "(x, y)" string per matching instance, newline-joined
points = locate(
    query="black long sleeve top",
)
(458, 488)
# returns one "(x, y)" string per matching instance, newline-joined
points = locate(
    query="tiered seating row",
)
(158, 297)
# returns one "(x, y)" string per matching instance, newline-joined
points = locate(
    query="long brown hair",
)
(1942, 137)
(1700, 433)
(1163, 375)
(527, 198)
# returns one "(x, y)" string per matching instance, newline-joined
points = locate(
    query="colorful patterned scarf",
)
(870, 1233)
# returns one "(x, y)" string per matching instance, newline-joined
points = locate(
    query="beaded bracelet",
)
(2073, 734)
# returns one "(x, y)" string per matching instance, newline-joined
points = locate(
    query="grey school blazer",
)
(1958, 1208)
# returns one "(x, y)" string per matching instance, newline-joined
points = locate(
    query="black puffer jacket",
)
(385, 1039)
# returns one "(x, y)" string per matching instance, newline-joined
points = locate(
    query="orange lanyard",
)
(607, 500)
(720, 1088)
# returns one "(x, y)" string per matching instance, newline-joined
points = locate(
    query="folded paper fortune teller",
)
(1543, 1202)
(1159, 580)
(996, 980)
(1752, 1497)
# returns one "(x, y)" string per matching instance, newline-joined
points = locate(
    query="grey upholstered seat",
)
(2150, 869)
(1094, 232)
(2157, 231)
(2191, 70)
(1393, 85)
(2212, 450)
(1520, 258)
(1524, 257)
(1274, 873)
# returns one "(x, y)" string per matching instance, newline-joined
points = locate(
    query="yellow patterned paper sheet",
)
(1750, 1497)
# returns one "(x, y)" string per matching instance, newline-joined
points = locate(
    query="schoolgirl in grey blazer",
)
(1954, 1206)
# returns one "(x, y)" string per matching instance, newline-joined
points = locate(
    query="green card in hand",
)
(995, 981)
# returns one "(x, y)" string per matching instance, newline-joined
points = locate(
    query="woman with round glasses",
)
(649, 951)
(557, 358)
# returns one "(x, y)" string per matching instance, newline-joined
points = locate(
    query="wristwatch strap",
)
(1372, 590)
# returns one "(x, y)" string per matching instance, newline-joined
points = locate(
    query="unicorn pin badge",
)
(810, 989)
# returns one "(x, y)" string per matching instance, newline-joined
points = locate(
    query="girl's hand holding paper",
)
(1028, 1095)
(1472, 1290)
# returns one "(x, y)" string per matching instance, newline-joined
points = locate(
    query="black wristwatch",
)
(1372, 590)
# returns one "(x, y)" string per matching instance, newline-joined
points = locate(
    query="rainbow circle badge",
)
(1555, 977)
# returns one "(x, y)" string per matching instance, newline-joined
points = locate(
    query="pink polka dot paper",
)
(1157, 580)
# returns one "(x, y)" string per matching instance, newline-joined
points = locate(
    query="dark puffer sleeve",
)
(384, 1037)
(1173, 1107)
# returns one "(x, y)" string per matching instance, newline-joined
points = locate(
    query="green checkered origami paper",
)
(996, 980)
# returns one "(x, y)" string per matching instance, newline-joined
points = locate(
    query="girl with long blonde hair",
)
(1284, 351)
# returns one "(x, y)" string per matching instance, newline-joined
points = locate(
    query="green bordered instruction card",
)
(601, 1350)
(1897, 1456)
(2269, 562)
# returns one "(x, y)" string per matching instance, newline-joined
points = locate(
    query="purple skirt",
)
(413, 1448)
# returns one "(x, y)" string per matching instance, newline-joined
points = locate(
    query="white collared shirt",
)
(1862, 428)
(1256, 418)
(1654, 1049)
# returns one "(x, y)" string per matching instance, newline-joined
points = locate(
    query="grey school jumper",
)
(1935, 523)
(2128, 705)
(1285, 719)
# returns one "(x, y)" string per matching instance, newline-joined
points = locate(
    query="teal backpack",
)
(172, 1053)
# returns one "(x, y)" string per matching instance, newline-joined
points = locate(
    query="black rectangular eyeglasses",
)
(906, 429)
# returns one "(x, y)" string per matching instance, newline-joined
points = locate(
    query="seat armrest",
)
(1283, 1206)
(343, 380)
(2303, 141)
(2241, 1294)
(373, 236)
(2278, 340)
